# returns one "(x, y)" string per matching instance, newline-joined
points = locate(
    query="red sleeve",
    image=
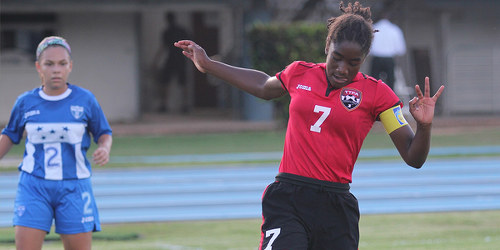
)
(385, 98)
(285, 75)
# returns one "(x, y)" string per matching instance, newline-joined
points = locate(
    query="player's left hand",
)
(422, 106)
(101, 156)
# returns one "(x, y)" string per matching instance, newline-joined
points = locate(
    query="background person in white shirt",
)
(388, 43)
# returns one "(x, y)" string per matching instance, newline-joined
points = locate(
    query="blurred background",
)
(160, 107)
(119, 51)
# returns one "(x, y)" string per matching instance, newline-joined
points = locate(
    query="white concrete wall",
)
(105, 58)
(474, 62)
(464, 50)
(14, 80)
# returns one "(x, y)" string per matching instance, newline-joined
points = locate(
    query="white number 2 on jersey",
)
(326, 111)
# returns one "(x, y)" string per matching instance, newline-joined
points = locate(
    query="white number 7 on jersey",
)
(274, 232)
(326, 111)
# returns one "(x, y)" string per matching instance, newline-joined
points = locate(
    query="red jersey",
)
(327, 126)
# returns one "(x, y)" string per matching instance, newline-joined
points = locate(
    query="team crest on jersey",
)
(20, 210)
(350, 98)
(76, 111)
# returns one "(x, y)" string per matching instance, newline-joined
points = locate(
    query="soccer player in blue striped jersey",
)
(54, 184)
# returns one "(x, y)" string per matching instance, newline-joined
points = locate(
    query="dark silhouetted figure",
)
(172, 64)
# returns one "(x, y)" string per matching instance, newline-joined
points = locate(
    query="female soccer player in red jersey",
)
(333, 107)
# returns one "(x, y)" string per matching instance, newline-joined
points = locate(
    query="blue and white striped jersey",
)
(58, 132)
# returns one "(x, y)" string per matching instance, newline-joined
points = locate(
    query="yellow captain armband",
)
(393, 119)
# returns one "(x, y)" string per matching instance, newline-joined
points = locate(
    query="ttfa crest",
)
(350, 98)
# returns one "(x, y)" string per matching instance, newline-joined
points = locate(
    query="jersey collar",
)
(330, 87)
(55, 97)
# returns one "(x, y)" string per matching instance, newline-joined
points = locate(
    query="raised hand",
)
(194, 52)
(422, 106)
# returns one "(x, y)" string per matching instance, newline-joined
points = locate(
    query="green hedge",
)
(274, 46)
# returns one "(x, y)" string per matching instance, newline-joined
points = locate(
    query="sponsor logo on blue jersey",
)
(87, 219)
(31, 113)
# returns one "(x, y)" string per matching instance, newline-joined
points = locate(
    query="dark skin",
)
(343, 61)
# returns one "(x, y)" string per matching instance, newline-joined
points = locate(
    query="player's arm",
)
(5, 145)
(413, 147)
(101, 154)
(252, 81)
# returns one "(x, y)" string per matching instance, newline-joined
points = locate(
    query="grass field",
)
(266, 141)
(444, 231)
(454, 230)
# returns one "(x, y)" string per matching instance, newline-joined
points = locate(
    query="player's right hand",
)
(194, 52)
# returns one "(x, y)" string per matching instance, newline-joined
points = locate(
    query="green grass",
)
(464, 230)
(262, 141)
(190, 144)
(266, 141)
(456, 230)
(487, 136)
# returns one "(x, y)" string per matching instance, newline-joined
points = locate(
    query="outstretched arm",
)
(414, 148)
(252, 81)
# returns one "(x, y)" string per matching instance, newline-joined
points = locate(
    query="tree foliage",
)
(274, 46)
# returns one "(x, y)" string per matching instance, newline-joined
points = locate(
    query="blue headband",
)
(50, 41)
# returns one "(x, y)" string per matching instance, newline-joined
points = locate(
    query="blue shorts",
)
(70, 203)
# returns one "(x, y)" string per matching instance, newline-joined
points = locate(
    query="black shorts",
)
(304, 213)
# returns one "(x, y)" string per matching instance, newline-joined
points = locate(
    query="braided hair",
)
(355, 24)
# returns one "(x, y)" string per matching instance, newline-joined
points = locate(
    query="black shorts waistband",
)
(313, 183)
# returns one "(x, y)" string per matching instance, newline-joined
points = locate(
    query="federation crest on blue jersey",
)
(20, 210)
(350, 98)
(76, 111)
